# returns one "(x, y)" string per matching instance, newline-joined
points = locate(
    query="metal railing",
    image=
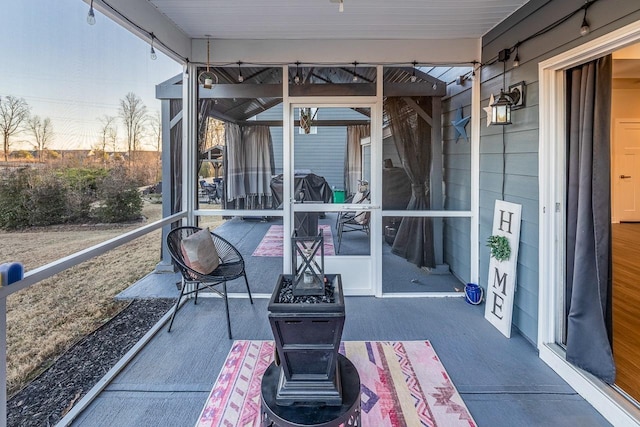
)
(44, 272)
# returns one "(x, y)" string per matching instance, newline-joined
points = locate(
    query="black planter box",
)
(307, 336)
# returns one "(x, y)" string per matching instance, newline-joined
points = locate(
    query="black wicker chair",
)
(231, 267)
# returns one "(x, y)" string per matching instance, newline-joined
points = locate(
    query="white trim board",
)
(552, 210)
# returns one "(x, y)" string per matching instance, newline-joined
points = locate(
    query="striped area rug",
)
(271, 243)
(403, 383)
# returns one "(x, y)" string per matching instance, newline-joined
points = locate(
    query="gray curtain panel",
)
(258, 165)
(234, 177)
(353, 157)
(588, 258)
(204, 105)
(412, 136)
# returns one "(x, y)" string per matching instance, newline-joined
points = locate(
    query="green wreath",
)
(500, 248)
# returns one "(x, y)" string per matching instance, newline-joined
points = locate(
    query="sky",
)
(72, 72)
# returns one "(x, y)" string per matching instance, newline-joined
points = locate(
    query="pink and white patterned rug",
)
(403, 383)
(271, 243)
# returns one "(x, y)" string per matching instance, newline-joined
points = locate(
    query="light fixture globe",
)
(91, 16)
(501, 110)
(208, 79)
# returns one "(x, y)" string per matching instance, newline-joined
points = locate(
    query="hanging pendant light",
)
(208, 79)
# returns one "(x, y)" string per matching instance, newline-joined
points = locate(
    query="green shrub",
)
(46, 199)
(83, 178)
(41, 197)
(13, 194)
(119, 197)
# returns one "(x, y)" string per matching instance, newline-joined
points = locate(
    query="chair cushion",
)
(362, 218)
(357, 198)
(199, 252)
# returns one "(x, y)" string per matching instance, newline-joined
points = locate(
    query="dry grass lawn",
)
(46, 319)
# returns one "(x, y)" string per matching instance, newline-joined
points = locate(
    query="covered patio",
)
(275, 65)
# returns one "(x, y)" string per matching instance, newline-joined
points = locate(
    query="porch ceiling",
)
(320, 19)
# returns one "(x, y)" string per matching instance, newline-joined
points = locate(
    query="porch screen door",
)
(330, 193)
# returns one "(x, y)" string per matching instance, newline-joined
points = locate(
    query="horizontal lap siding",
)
(457, 182)
(521, 138)
(322, 153)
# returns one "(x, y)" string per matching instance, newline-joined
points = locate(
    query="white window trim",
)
(552, 211)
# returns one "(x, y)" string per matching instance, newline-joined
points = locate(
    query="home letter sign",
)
(502, 274)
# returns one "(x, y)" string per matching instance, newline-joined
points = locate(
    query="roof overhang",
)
(281, 31)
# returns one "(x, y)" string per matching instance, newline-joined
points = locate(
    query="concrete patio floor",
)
(502, 381)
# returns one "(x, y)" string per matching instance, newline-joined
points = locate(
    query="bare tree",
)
(108, 127)
(133, 113)
(156, 129)
(42, 131)
(13, 114)
(113, 138)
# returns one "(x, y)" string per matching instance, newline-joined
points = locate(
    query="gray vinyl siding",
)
(521, 138)
(322, 153)
(457, 179)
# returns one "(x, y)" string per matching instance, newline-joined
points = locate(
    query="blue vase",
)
(473, 293)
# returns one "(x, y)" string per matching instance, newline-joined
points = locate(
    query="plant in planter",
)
(500, 248)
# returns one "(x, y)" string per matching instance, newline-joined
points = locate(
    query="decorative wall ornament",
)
(459, 124)
(307, 116)
(488, 110)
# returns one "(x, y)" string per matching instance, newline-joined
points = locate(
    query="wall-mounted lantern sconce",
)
(507, 101)
(501, 110)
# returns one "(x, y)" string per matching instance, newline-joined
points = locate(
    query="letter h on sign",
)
(503, 221)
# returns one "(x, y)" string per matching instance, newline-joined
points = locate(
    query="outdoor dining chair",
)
(352, 221)
(229, 265)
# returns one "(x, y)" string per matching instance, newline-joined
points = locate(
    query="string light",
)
(584, 29)
(355, 74)
(153, 51)
(296, 79)
(91, 16)
(413, 74)
(240, 76)
(435, 86)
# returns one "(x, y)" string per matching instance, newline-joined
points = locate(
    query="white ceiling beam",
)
(401, 52)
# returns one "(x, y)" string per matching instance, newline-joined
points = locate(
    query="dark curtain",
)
(588, 281)
(175, 189)
(249, 166)
(412, 136)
